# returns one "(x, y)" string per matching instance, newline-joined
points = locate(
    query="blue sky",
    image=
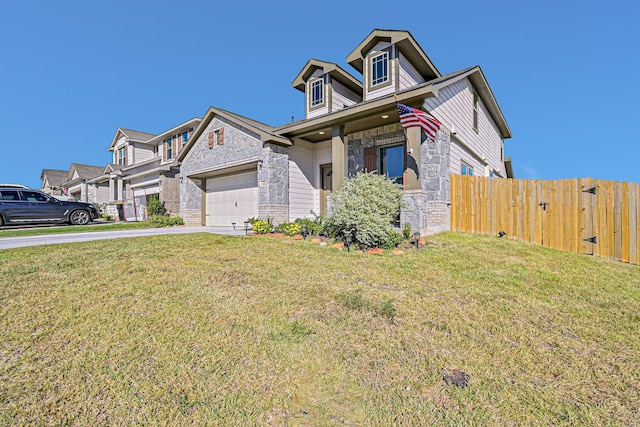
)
(73, 72)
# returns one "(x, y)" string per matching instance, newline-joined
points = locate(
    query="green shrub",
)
(393, 239)
(155, 206)
(289, 228)
(368, 204)
(315, 227)
(165, 221)
(262, 226)
(406, 231)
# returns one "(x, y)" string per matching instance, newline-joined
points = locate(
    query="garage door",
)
(232, 198)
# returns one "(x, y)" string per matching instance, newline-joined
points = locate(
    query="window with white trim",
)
(169, 150)
(380, 68)
(317, 93)
(122, 156)
(466, 169)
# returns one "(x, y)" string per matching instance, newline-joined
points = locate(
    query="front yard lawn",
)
(215, 330)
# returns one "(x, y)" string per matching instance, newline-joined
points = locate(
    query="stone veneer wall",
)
(273, 183)
(191, 200)
(434, 179)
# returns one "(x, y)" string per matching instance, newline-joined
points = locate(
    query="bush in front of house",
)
(261, 226)
(315, 227)
(289, 228)
(165, 221)
(367, 205)
(155, 206)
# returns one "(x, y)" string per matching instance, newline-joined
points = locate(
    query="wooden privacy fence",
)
(585, 215)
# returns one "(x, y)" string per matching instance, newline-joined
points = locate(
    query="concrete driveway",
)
(18, 242)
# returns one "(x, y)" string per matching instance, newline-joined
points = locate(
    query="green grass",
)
(217, 330)
(63, 229)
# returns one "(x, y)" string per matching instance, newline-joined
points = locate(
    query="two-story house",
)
(144, 164)
(234, 168)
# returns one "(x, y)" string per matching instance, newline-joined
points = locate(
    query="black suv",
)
(22, 205)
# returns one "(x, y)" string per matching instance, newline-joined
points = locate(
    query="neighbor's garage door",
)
(232, 198)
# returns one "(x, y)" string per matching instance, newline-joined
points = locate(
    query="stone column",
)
(111, 190)
(337, 156)
(273, 182)
(413, 163)
(118, 188)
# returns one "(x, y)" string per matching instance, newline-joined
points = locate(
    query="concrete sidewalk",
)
(51, 239)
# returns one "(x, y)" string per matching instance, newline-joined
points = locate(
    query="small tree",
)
(155, 206)
(367, 204)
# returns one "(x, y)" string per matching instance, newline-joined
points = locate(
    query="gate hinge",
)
(593, 240)
(591, 190)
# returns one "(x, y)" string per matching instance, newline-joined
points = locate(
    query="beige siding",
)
(409, 77)
(455, 105)
(143, 152)
(342, 96)
(102, 193)
(301, 178)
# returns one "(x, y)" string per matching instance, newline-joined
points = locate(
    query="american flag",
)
(410, 117)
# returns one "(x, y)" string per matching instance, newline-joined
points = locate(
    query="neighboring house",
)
(52, 181)
(76, 183)
(234, 168)
(145, 164)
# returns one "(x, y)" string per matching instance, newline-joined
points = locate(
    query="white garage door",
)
(232, 198)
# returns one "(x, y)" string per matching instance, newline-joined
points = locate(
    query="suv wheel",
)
(79, 217)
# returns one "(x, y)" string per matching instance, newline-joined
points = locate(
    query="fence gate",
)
(586, 215)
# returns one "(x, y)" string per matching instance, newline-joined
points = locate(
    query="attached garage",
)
(231, 198)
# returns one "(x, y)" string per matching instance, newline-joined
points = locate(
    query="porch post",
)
(412, 165)
(337, 156)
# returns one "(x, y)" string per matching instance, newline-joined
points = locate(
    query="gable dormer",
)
(129, 147)
(391, 61)
(327, 88)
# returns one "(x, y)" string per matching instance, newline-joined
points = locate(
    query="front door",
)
(326, 186)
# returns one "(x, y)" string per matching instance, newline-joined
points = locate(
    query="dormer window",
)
(122, 156)
(317, 93)
(380, 69)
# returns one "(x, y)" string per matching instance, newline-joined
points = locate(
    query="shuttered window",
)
(216, 137)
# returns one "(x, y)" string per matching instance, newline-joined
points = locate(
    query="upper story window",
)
(465, 169)
(185, 137)
(380, 69)
(475, 111)
(317, 92)
(122, 156)
(216, 137)
(169, 148)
